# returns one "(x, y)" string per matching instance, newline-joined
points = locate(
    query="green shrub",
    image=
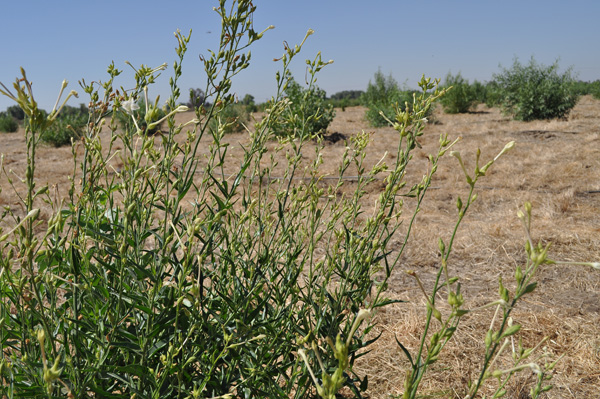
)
(592, 88)
(8, 124)
(346, 98)
(188, 273)
(197, 99)
(248, 103)
(16, 112)
(493, 95)
(308, 113)
(587, 88)
(383, 95)
(535, 91)
(231, 118)
(65, 128)
(461, 97)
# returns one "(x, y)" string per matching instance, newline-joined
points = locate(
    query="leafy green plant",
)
(308, 113)
(592, 88)
(384, 98)
(346, 98)
(462, 96)
(16, 112)
(248, 102)
(67, 127)
(536, 91)
(8, 124)
(197, 99)
(189, 274)
(479, 91)
(232, 118)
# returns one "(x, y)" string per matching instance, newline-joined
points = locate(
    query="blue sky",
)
(60, 39)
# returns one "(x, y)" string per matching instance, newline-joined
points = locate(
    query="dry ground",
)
(555, 166)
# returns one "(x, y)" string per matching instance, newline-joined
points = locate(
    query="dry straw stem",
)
(555, 161)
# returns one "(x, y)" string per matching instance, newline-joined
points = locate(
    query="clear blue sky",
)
(60, 39)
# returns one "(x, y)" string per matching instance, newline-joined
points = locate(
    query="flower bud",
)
(41, 336)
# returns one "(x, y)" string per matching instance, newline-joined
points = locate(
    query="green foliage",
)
(248, 103)
(585, 88)
(535, 91)
(594, 89)
(232, 118)
(8, 124)
(348, 94)
(479, 91)
(69, 125)
(64, 129)
(383, 95)
(308, 113)
(16, 112)
(197, 99)
(189, 274)
(493, 94)
(346, 98)
(461, 97)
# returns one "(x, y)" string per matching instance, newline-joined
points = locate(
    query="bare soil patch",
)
(555, 166)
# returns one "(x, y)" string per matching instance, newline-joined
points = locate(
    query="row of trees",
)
(525, 91)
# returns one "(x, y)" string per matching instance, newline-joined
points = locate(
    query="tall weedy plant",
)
(184, 273)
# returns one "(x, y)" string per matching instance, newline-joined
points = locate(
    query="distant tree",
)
(248, 99)
(535, 91)
(308, 114)
(248, 102)
(383, 95)
(16, 112)
(461, 97)
(197, 98)
(347, 94)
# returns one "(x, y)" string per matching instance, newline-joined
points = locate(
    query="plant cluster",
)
(346, 98)
(197, 99)
(8, 124)
(176, 278)
(584, 88)
(69, 125)
(308, 112)
(536, 91)
(231, 118)
(248, 102)
(462, 96)
(384, 99)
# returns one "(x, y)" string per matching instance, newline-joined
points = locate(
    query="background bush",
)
(197, 99)
(8, 124)
(383, 94)
(346, 98)
(312, 114)
(232, 117)
(585, 88)
(248, 102)
(16, 112)
(70, 124)
(535, 91)
(461, 97)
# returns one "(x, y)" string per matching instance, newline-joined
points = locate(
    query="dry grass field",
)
(555, 166)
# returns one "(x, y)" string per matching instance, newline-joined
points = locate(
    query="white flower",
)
(129, 106)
